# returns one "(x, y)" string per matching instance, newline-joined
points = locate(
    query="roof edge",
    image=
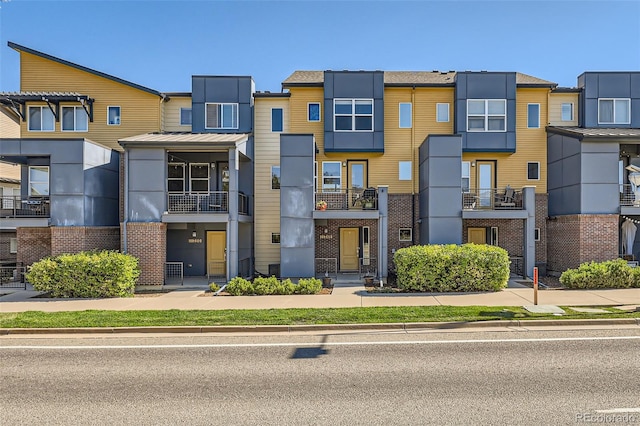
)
(20, 48)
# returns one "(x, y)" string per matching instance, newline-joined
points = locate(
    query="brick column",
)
(148, 242)
(33, 244)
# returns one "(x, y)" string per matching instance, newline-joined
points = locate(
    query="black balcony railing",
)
(492, 199)
(347, 199)
(16, 206)
(204, 202)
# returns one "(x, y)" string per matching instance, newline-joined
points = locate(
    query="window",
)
(536, 234)
(466, 176)
(113, 116)
(13, 245)
(199, 177)
(533, 170)
(353, 115)
(614, 111)
(405, 234)
(533, 116)
(331, 176)
(39, 181)
(221, 116)
(185, 116)
(276, 119)
(41, 119)
(486, 115)
(275, 238)
(175, 177)
(404, 170)
(442, 113)
(405, 115)
(313, 111)
(74, 119)
(275, 177)
(567, 112)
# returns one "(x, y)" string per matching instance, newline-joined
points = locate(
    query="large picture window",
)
(39, 181)
(614, 111)
(41, 119)
(331, 176)
(486, 115)
(353, 115)
(221, 116)
(74, 119)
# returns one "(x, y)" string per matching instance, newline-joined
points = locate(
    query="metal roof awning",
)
(17, 101)
(180, 139)
(598, 133)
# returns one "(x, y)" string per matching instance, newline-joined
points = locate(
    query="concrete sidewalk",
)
(345, 294)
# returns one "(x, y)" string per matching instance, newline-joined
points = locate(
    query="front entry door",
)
(349, 249)
(477, 235)
(217, 253)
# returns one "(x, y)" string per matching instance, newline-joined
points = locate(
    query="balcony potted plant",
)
(321, 205)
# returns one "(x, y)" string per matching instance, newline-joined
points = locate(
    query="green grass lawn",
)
(96, 318)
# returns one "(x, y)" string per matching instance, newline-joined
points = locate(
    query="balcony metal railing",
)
(492, 199)
(627, 197)
(346, 199)
(174, 273)
(198, 202)
(16, 206)
(12, 276)
(326, 266)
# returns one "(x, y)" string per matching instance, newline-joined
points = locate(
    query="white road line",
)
(323, 344)
(619, 411)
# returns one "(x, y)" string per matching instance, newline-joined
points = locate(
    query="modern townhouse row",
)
(333, 173)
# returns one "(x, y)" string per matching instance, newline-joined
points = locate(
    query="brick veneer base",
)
(74, 239)
(575, 239)
(148, 242)
(5, 246)
(33, 244)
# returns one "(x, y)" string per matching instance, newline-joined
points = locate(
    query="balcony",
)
(347, 199)
(627, 198)
(204, 202)
(24, 207)
(492, 199)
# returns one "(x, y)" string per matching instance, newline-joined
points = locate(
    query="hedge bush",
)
(86, 274)
(610, 274)
(452, 268)
(271, 285)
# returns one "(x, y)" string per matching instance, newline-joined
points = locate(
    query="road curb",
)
(414, 326)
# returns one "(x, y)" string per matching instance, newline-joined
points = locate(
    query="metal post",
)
(535, 285)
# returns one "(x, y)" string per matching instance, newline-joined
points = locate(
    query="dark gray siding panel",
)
(597, 85)
(147, 183)
(352, 85)
(222, 89)
(484, 85)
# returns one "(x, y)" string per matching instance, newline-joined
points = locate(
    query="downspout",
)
(126, 201)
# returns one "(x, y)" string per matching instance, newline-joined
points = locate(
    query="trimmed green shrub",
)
(86, 274)
(610, 274)
(308, 286)
(214, 287)
(271, 285)
(452, 268)
(238, 286)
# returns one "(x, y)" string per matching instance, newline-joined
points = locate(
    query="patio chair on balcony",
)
(507, 199)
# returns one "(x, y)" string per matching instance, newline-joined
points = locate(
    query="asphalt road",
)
(530, 377)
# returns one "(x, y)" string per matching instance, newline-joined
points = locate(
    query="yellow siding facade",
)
(171, 114)
(531, 146)
(399, 144)
(9, 124)
(140, 110)
(267, 200)
(555, 108)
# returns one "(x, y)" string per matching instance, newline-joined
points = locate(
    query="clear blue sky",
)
(160, 44)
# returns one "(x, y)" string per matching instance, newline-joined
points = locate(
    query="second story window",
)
(466, 176)
(41, 119)
(74, 119)
(486, 115)
(199, 177)
(185, 116)
(567, 111)
(313, 113)
(221, 116)
(353, 115)
(405, 115)
(276, 119)
(331, 176)
(113, 115)
(175, 177)
(442, 113)
(38, 181)
(533, 116)
(614, 111)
